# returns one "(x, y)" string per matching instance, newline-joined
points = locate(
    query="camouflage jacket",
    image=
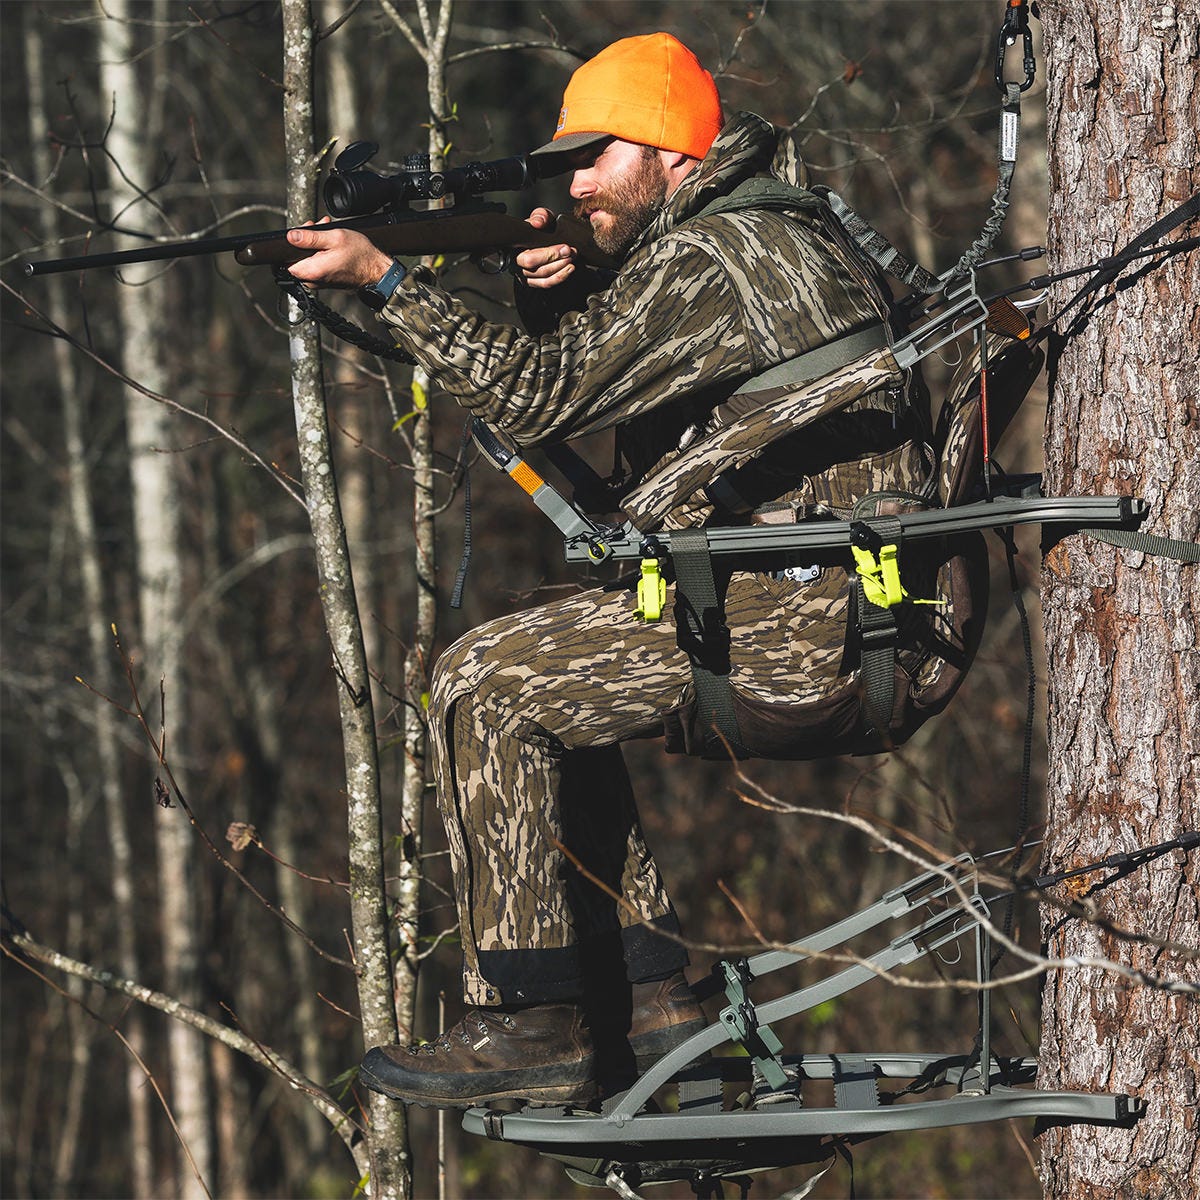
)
(702, 303)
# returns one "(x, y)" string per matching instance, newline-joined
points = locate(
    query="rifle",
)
(381, 207)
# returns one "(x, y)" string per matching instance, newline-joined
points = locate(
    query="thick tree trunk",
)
(157, 528)
(1121, 627)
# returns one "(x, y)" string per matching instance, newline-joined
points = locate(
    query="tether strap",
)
(704, 638)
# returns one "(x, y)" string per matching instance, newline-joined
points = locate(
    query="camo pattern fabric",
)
(701, 304)
(526, 712)
(781, 412)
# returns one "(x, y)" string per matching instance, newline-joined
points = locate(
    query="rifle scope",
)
(352, 191)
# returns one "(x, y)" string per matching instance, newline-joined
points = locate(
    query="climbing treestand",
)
(728, 1102)
(742, 1113)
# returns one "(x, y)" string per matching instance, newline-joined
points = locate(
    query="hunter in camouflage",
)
(735, 268)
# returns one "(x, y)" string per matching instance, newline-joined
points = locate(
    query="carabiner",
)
(1016, 24)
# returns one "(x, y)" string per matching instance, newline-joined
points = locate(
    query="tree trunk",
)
(390, 1174)
(1124, 669)
(158, 534)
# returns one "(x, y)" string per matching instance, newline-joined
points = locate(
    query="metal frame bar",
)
(625, 542)
(942, 905)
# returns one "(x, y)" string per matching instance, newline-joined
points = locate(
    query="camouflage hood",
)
(747, 146)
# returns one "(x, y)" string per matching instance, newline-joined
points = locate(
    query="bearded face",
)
(626, 206)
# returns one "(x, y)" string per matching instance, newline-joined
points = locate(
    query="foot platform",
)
(727, 1117)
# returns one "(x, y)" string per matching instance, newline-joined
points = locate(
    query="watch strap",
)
(377, 294)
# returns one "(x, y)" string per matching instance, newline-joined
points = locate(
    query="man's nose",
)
(583, 183)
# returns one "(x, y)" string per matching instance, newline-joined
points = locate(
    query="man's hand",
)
(342, 258)
(545, 266)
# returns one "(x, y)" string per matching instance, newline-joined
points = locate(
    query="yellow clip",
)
(651, 591)
(881, 576)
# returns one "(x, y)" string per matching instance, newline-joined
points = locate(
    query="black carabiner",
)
(1016, 25)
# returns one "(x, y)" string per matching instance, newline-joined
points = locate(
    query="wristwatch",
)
(377, 294)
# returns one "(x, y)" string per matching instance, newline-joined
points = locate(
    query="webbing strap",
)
(704, 638)
(876, 247)
(1148, 543)
(820, 360)
(1109, 268)
(877, 630)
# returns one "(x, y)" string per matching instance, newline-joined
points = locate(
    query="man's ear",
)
(676, 167)
(673, 160)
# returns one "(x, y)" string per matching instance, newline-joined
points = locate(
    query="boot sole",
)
(579, 1092)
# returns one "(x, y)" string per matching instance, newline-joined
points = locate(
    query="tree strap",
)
(1148, 543)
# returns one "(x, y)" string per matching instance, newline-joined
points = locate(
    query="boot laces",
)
(445, 1040)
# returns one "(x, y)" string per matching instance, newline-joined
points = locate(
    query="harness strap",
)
(877, 248)
(877, 629)
(704, 638)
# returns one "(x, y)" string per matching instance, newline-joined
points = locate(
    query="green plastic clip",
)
(651, 591)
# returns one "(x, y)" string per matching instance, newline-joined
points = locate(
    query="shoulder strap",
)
(761, 191)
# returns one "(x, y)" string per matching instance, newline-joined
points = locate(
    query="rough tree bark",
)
(390, 1175)
(1121, 627)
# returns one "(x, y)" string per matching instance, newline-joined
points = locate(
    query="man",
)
(528, 711)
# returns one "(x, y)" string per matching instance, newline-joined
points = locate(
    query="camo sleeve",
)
(669, 326)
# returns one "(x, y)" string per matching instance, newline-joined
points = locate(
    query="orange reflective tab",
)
(527, 477)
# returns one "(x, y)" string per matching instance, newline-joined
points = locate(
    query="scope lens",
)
(362, 192)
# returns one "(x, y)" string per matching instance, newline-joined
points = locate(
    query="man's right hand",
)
(545, 266)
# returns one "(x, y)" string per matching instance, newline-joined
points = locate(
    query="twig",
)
(158, 747)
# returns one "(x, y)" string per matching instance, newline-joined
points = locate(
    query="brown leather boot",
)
(665, 1013)
(542, 1053)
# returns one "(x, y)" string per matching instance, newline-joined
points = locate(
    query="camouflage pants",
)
(526, 716)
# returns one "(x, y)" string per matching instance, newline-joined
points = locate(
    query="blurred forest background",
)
(897, 109)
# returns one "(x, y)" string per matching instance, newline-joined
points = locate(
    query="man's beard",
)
(630, 204)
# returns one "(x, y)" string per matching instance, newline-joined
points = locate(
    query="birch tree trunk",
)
(159, 542)
(1121, 627)
(390, 1175)
(435, 22)
(107, 763)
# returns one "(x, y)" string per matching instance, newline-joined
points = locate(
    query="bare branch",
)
(23, 941)
(271, 469)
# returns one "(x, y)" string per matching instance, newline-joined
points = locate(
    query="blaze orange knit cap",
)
(650, 89)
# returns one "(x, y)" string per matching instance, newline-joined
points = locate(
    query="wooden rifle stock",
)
(466, 229)
(444, 231)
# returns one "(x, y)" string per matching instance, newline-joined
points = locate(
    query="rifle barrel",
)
(155, 252)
